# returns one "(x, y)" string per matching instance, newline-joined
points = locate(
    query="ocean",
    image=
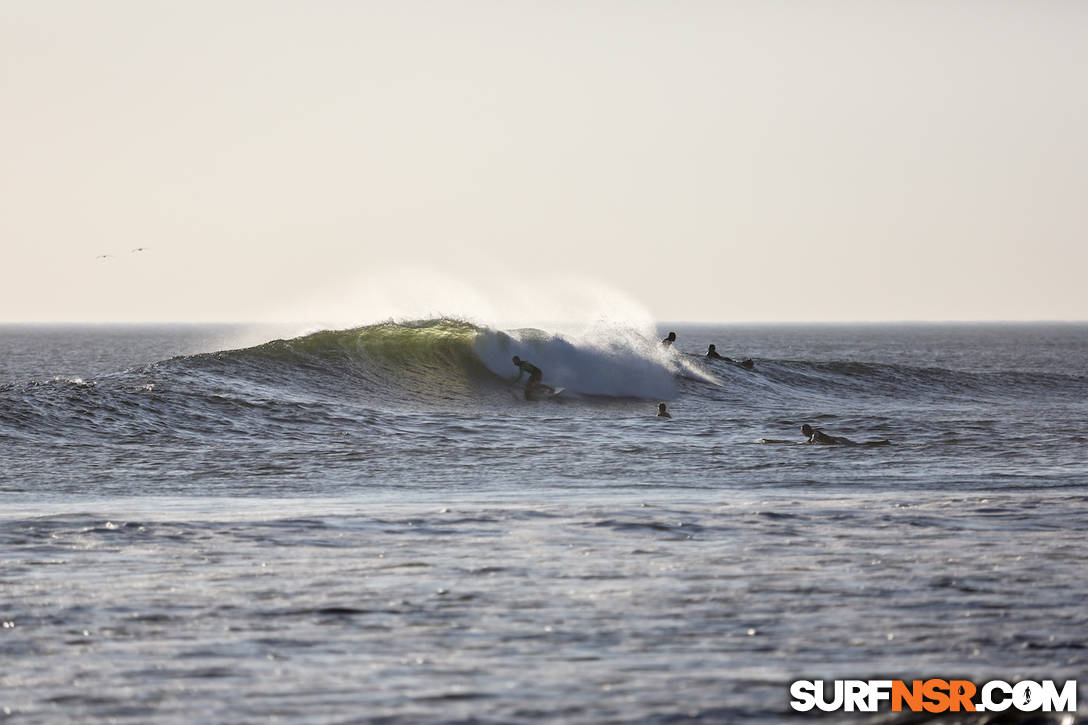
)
(241, 524)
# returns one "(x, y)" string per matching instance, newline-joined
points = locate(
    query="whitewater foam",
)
(617, 363)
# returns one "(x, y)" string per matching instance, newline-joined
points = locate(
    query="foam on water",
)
(616, 363)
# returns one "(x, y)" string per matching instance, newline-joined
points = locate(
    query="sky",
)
(515, 161)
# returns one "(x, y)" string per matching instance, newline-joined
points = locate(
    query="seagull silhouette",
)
(141, 249)
(104, 256)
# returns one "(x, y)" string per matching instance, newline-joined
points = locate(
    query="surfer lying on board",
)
(712, 354)
(819, 438)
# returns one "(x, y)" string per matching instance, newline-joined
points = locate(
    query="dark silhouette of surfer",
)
(524, 366)
(712, 354)
(668, 341)
(661, 412)
(818, 437)
(535, 375)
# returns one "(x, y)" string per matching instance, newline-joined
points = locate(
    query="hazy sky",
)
(716, 161)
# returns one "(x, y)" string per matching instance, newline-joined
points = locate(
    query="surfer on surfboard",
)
(819, 438)
(712, 354)
(535, 375)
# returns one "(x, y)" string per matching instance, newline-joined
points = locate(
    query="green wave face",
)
(429, 360)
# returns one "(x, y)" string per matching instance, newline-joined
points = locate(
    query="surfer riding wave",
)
(534, 386)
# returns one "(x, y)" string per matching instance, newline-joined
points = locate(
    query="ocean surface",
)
(236, 524)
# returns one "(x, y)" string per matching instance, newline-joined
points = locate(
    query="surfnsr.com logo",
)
(933, 695)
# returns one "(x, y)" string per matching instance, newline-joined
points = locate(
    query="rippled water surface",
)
(376, 525)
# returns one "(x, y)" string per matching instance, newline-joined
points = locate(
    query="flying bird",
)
(104, 256)
(141, 249)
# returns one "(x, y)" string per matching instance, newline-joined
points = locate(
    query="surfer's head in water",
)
(661, 412)
(806, 430)
(669, 340)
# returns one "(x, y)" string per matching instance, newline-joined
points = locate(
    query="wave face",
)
(447, 361)
(435, 400)
(419, 362)
(883, 383)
